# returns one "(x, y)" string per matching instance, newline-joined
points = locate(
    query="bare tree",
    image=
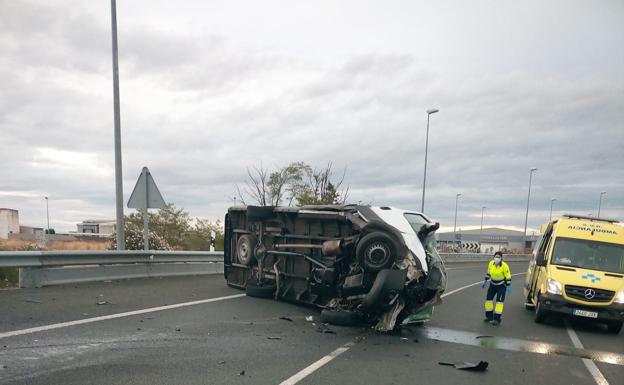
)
(296, 183)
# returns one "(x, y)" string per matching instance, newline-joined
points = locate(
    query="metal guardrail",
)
(102, 257)
(43, 268)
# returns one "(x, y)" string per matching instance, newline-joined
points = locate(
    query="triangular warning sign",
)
(145, 194)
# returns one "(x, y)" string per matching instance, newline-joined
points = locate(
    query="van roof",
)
(589, 228)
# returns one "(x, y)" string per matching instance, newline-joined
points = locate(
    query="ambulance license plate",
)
(584, 313)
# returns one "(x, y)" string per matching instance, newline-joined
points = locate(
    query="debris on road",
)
(178, 329)
(404, 339)
(286, 319)
(274, 338)
(221, 363)
(480, 367)
(415, 340)
(486, 336)
(102, 303)
(309, 318)
(241, 373)
(32, 301)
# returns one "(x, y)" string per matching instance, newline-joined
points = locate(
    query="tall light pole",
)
(422, 203)
(526, 217)
(600, 202)
(47, 214)
(455, 224)
(121, 239)
(481, 232)
(551, 206)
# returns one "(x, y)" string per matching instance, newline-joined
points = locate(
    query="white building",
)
(106, 227)
(9, 222)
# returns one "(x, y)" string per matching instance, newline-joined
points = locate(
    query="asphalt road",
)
(241, 340)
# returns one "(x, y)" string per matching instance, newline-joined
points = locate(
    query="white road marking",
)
(113, 316)
(589, 364)
(325, 360)
(467, 286)
(318, 364)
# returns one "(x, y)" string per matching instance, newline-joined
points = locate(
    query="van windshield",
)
(589, 255)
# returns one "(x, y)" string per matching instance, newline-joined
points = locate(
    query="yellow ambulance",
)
(577, 270)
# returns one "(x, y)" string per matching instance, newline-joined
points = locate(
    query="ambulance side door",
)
(538, 263)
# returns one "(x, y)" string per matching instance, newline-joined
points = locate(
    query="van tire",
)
(245, 247)
(340, 317)
(253, 289)
(614, 327)
(376, 251)
(540, 313)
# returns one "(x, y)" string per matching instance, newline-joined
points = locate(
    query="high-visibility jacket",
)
(498, 274)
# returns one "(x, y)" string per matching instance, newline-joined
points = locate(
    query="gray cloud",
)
(199, 105)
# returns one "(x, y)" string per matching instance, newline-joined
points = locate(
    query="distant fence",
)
(44, 268)
(477, 257)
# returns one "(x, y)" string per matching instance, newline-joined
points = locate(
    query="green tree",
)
(170, 228)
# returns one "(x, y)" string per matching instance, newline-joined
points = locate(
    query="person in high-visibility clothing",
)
(499, 275)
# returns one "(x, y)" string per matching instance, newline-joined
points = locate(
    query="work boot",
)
(495, 322)
(487, 320)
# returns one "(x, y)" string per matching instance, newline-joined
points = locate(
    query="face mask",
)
(497, 260)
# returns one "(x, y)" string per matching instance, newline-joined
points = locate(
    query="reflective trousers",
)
(491, 311)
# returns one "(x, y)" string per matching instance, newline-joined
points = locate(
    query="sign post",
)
(146, 196)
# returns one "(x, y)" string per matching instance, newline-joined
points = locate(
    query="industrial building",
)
(93, 226)
(488, 240)
(9, 222)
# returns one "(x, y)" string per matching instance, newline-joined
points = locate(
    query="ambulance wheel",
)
(614, 327)
(540, 313)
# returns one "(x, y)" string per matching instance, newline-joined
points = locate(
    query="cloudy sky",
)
(211, 88)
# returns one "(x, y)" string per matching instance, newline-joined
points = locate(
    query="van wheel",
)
(245, 249)
(376, 251)
(614, 327)
(340, 317)
(256, 290)
(540, 314)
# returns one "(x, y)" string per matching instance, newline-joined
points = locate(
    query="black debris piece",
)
(286, 319)
(242, 373)
(274, 338)
(178, 329)
(480, 367)
(486, 336)
(221, 363)
(32, 301)
(415, 340)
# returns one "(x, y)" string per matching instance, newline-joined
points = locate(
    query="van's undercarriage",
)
(340, 258)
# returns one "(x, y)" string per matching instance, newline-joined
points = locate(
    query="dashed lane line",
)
(589, 364)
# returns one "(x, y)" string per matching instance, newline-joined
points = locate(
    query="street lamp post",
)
(422, 203)
(600, 202)
(551, 206)
(526, 217)
(121, 240)
(481, 232)
(455, 223)
(47, 214)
